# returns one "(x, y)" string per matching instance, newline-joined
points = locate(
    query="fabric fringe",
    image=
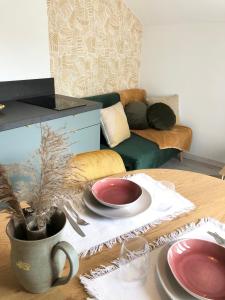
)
(133, 233)
(162, 240)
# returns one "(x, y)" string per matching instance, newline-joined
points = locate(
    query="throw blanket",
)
(179, 137)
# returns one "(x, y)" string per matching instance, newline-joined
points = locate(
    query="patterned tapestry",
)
(95, 46)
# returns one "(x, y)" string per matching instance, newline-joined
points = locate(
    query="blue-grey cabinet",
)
(19, 144)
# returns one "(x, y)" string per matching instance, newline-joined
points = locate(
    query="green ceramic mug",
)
(38, 263)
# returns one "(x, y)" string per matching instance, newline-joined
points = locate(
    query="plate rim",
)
(164, 249)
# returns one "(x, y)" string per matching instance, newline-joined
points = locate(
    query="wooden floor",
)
(194, 166)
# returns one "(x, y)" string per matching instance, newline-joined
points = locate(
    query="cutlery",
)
(217, 238)
(73, 223)
(80, 221)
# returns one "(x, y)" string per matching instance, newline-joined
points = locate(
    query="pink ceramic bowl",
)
(199, 267)
(116, 192)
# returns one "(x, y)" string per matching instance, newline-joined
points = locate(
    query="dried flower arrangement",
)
(8, 200)
(41, 184)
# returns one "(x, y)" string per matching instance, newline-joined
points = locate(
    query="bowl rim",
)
(198, 296)
(111, 204)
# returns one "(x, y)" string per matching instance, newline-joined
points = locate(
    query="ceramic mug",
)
(38, 263)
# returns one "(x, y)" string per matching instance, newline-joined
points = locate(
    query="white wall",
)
(159, 12)
(24, 48)
(189, 59)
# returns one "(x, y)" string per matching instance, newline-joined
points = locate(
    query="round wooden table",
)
(208, 194)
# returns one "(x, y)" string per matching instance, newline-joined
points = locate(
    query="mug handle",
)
(73, 261)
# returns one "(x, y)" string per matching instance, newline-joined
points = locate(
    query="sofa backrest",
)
(106, 99)
(132, 95)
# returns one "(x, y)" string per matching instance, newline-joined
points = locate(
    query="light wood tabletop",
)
(207, 193)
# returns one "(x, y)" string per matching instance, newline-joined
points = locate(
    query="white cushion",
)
(171, 101)
(114, 124)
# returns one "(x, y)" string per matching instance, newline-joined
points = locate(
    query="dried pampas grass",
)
(8, 200)
(43, 176)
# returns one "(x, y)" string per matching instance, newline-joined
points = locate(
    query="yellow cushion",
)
(172, 101)
(97, 164)
(132, 95)
(114, 124)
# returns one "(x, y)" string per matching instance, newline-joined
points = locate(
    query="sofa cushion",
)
(161, 116)
(106, 100)
(114, 124)
(172, 101)
(94, 164)
(136, 113)
(139, 153)
(136, 152)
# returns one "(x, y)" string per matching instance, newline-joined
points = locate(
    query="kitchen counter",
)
(17, 114)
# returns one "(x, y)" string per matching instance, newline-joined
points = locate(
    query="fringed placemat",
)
(104, 283)
(166, 205)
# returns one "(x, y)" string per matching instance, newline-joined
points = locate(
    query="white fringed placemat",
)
(104, 283)
(103, 231)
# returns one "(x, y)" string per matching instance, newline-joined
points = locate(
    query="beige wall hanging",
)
(95, 46)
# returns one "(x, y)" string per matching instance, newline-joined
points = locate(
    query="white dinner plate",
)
(136, 208)
(169, 283)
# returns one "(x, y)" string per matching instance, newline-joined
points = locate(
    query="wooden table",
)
(206, 192)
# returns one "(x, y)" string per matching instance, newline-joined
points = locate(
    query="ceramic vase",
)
(38, 263)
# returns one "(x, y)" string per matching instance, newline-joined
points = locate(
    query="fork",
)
(80, 221)
(217, 238)
(72, 222)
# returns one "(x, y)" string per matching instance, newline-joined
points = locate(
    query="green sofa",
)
(136, 152)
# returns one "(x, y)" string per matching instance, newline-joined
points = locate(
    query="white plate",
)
(115, 213)
(169, 283)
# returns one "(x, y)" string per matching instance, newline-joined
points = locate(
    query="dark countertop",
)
(17, 114)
